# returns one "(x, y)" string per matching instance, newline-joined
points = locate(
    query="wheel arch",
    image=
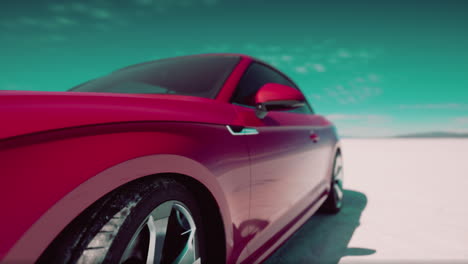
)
(209, 207)
(337, 149)
(189, 172)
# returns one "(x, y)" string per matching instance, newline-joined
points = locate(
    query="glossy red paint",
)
(232, 81)
(61, 151)
(135, 150)
(289, 170)
(271, 92)
(32, 112)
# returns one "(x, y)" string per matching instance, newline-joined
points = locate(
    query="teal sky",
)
(376, 68)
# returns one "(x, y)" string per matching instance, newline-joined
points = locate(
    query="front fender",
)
(50, 178)
(43, 232)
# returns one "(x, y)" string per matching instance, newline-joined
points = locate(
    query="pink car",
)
(199, 159)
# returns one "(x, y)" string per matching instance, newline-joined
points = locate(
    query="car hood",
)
(25, 112)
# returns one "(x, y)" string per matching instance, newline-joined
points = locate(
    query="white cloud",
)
(347, 100)
(7, 24)
(373, 77)
(64, 21)
(269, 58)
(363, 54)
(103, 27)
(276, 64)
(363, 125)
(331, 92)
(315, 56)
(328, 42)
(356, 117)
(273, 48)
(319, 67)
(340, 88)
(342, 53)
(301, 69)
(376, 125)
(55, 38)
(461, 120)
(332, 60)
(28, 21)
(298, 49)
(316, 96)
(452, 106)
(57, 8)
(353, 93)
(162, 6)
(367, 91)
(367, 55)
(78, 7)
(220, 48)
(457, 130)
(100, 13)
(340, 93)
(160, 9)
(250, 46)
(286, 58)
(39, 23)
(366, 131)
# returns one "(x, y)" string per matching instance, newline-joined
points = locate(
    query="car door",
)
(286, 166)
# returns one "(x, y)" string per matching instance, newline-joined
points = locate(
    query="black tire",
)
(334, 201)
(106, 230)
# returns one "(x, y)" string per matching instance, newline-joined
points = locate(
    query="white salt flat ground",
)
(406, 202)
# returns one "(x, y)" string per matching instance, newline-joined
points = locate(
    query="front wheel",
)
(334, 200)
(157, 222)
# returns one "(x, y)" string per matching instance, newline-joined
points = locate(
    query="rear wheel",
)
(334, 200)
(158, 222)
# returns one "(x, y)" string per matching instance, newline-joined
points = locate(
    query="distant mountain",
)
(434, 135)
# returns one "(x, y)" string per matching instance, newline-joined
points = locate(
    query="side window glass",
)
(254, 78)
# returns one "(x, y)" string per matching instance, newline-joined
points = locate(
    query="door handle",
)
(241, 131)
(315, 137)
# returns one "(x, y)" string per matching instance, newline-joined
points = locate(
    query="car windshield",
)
(201, 76)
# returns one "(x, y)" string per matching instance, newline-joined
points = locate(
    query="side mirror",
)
(274, 96)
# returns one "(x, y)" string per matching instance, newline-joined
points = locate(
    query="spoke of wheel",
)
(187, 256)
(152, 240)
(338, 168)
(338, 178)
(338, 190)
(157, 225)
(338, 173)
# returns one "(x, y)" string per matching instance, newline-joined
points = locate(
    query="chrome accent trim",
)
(244, 132)
(249, 131)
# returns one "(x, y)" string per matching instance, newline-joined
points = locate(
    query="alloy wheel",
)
(168, 235)
(337, 183)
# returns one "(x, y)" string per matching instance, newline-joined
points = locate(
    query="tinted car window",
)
(201, 76)
(254, 78)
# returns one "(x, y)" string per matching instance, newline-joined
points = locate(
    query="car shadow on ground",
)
(325, 238)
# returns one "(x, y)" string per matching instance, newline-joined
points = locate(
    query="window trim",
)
(216, 89)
